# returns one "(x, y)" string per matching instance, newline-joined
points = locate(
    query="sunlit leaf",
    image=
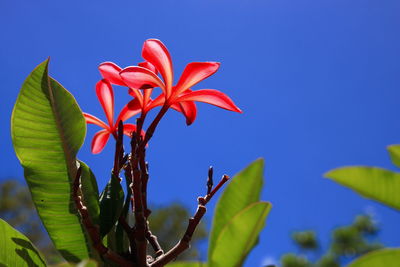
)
(384, 257)
(371, 182)
(394, 151)
(48, 128)
(243, 190)
(239, 236)
(17, 249)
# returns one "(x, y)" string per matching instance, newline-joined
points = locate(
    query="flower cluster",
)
(141, 80)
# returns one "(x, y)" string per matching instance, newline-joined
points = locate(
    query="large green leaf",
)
(243, 189)
(394, 151)
(383, 257)
(187, 264)
(371, 182)
(239, 236)
(48, 128)
(111, 202)
(16, 249)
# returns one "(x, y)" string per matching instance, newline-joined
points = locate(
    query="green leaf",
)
(48, 128)
(111, 202)
(394, 151)
(243, 189)
(371, 182)
(17, 249)
(90, 192)
(239, 236)
(187, 264)
(384, 257)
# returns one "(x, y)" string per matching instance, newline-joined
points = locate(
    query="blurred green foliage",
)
(347, 242)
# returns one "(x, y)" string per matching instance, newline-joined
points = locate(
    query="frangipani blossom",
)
(110, 71)
(105, 94)
(155, 52)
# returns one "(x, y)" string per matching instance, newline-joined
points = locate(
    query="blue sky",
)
(318, 82)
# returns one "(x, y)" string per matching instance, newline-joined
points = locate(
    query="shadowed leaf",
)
(16, 249)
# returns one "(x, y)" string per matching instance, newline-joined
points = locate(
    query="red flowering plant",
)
(48, 128)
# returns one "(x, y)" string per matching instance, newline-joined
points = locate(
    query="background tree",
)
(347, 243)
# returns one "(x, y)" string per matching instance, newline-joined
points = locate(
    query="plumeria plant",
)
(111, 228)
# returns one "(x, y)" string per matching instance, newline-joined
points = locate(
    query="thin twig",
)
(119, 150)
(154, 243)
(208, 197)
(153, 126)
(210, 180)
(184, 243)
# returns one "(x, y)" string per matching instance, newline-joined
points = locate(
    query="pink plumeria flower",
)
(155, 52)
(142, 95)
(105, 94)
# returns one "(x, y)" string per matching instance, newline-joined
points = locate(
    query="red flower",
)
(105, 94)
(110, 71)
(180, 96)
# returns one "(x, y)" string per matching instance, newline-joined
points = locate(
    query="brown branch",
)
(119, 150)
(210, 182)
(144, 169)
(184, 243)
(93, 230)
(140, 221)
(154, 243)
(208, 197)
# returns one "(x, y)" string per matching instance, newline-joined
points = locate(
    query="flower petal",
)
(136, 93)
(139, 77)
(158, 101)
(129, 110)
(155, 52)
(99, 141)
(188, 109)
(148, 66)
(146, 96)
(110, 71)
(105, 94)
(90, 119)
(129, 128)
(210, 96)
(194, 73)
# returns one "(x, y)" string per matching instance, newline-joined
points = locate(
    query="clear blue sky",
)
(318, 82)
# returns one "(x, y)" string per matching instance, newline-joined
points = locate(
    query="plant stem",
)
(153, 126)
